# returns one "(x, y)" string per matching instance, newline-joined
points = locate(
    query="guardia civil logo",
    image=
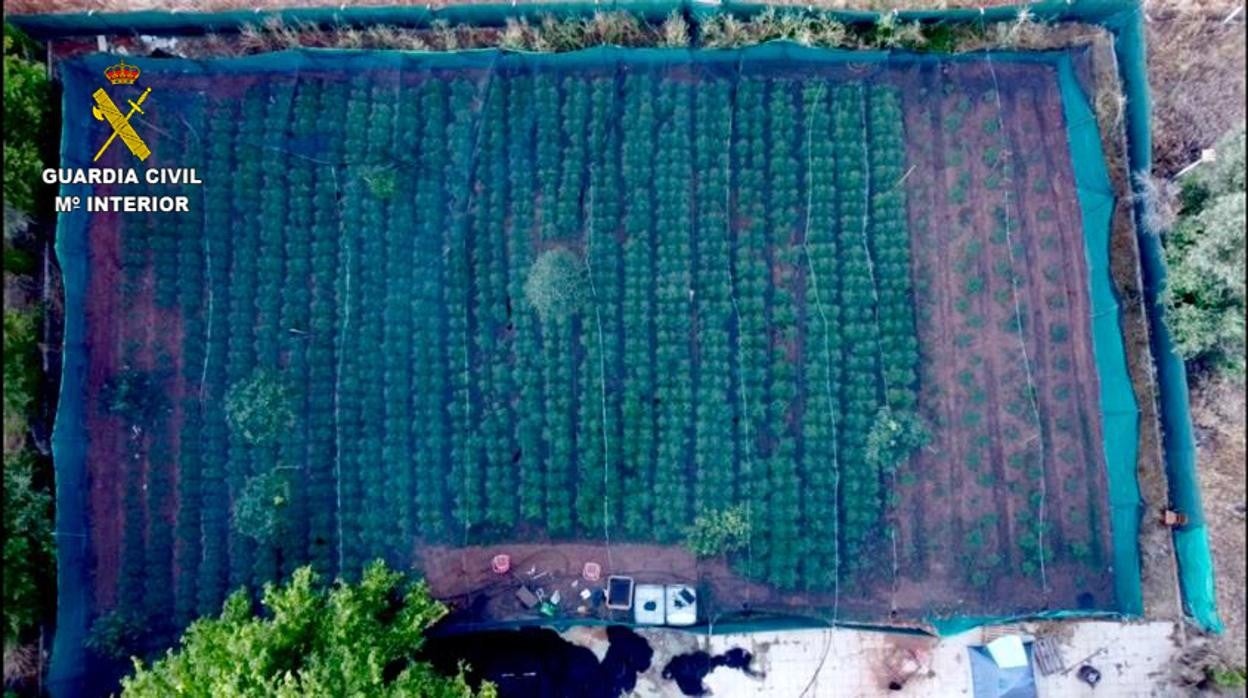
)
(106, 110)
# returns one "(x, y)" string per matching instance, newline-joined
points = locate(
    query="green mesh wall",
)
(1123, 18)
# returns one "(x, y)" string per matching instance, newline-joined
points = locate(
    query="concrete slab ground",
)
(1134, 659)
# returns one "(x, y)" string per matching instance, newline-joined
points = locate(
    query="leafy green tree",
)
(20, 371)
(345, 640)
(556, 286)
(261, 408)
(718, 532)
(27, 545)
(26, 100)
(1205, 252)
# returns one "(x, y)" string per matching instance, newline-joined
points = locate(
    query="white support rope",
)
(602, 372)
(342, 333)
(736, 309)
(468, 455)
(866, 224)
(203, 374)
(1022, 343)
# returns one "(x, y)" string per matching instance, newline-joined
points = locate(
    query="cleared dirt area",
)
(1003, 247)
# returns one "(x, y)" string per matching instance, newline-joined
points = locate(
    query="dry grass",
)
(1196, 70)
(1197, 73)
(1159, 199)
(61, 6)
(1158, 573)
(22, 664)
(547, 35)
(1218, 414)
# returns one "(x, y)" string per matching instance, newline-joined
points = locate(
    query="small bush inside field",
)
(260, 408)
(258, 512)
(134, 395)
(117, 634)
(380, 181)
(893, 437)
(718, 532)
(1205, 251)
(556, 285)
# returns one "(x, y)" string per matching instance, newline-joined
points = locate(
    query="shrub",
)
(134, 395)
(893, 437)
(556, 286)
(18, 258)
(259, 509)
(348, 639)
(718, 532)
(26, 100)
(20, 373)
(675, 31)
(1205, 252)
(260, 408)
(1228, 677)
(891, 32)
(117, 634)
(28, 548)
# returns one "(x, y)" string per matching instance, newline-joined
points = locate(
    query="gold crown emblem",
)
(122, 73)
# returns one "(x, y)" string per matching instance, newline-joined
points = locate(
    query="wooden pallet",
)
(1048, 656)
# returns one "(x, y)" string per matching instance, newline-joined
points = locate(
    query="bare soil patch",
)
(1003, 467)
(104, 338)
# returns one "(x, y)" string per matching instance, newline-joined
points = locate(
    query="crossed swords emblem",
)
(106, 110)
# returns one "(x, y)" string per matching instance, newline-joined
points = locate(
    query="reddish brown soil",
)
(957, 513)
(124, 328)
(104, 339)
(464, 578)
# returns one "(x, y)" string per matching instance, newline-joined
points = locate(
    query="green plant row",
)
(488, 306)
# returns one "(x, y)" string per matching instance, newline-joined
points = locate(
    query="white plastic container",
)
(682, 605)
(648, 605)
